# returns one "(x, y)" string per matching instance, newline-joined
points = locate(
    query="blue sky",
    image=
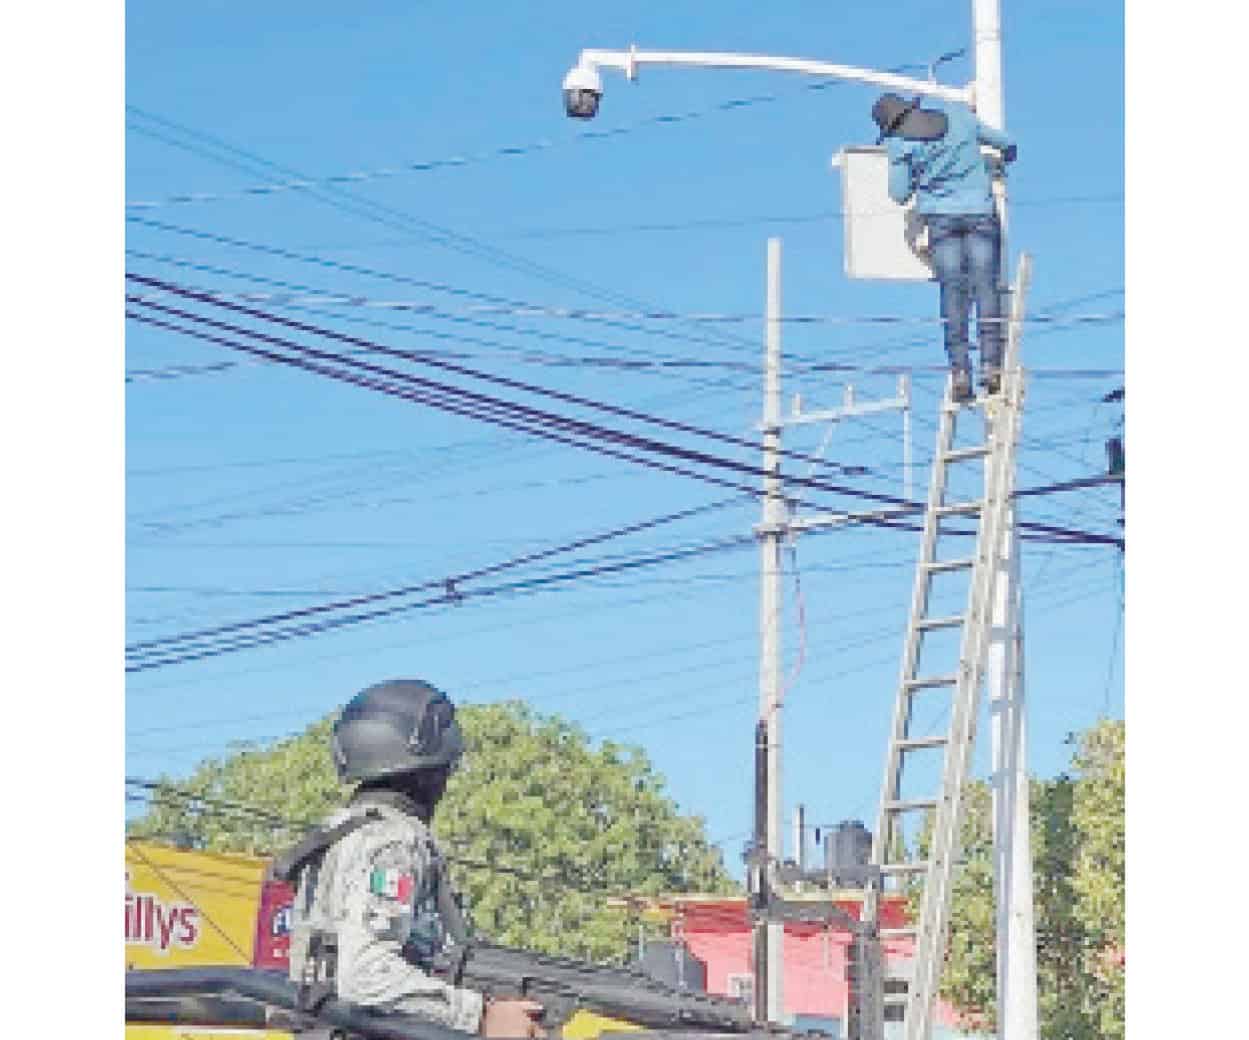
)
(255, 489)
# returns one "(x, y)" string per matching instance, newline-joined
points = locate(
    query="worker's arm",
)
(996, 139)
(900, 186)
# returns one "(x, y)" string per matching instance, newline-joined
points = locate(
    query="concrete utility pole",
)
(770, 615)
(1012, 844)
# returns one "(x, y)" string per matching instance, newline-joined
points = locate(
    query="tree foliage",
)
(1098, 881)
(541, 828)
(1077, 830)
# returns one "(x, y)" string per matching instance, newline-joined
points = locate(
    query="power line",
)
(485, 300)
(596, 665)
(297, 295)
(439, 599)
(512, 412)
(389, 215)
(793, 362)
(506, 152)
(503, 381)
(150, 658)
(265, 631)
(464, 576)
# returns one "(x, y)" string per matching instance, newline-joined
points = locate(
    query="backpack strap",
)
(452, 919)
(287, 866)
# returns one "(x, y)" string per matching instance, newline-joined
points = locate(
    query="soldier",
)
(372, 906)
(935, 155)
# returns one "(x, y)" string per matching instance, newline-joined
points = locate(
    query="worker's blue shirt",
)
(949, 175)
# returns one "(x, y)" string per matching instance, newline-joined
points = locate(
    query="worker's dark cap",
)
(895, 115)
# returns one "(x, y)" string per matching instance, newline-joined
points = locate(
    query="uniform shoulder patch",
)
(392, 883)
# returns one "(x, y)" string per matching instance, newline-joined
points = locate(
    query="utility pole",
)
(800, 837)
(1012, 845)
(759, 879)
(770, 617)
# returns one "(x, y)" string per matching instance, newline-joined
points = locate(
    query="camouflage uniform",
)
(375, 891)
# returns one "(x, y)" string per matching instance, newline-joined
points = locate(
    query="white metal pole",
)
(770, 610)
(1012, 839)
(1012, 845)
(1018, 986)
(986, 16)
(987, 89)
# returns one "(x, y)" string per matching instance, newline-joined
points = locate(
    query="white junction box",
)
(882, 239)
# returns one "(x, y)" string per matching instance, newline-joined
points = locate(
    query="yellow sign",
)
(187, 909)
(191, 909)
(586, 1025)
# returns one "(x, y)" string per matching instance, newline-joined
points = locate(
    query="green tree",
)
(1077, 829)
(541, 828)
(1098, 881)
(968, 980)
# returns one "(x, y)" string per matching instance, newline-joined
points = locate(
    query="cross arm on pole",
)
(630, 60)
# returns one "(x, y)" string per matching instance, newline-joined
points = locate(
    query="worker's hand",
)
(512, 1020)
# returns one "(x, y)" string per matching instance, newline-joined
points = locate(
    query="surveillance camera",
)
(582, 90)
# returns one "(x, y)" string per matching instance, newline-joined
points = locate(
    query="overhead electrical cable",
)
(488, 301)
(524, 412)
(507, 152)
(792, 362)
(303, 295)
(878, 518)
(275, 628)
(156, 658)
(495, 414)
(299, 293)
(465, 576)
(449, 366)
(391, 216)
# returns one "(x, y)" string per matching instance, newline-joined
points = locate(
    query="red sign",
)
(273, 926)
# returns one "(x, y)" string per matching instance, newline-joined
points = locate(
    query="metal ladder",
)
(962, 687)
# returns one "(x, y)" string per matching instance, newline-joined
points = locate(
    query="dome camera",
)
(582, 90)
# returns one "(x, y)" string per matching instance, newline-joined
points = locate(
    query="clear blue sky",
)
(256, 489)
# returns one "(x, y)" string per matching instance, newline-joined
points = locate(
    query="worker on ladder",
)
(935, 155)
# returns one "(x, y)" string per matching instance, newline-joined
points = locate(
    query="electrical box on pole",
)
(882, 240)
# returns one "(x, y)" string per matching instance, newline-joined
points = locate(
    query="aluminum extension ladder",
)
(944, 807)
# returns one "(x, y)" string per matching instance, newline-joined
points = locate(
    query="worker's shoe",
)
(991, 379)
(960, 385)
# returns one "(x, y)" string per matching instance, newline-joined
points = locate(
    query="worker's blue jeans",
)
(966, 257)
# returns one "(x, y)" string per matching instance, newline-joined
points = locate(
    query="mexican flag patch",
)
(391, 883)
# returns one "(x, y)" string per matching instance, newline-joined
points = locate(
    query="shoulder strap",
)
(287, 866)
(452, 920)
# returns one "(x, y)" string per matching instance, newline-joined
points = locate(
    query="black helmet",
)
(396, 726)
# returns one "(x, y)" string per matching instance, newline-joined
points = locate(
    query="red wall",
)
(719, 933)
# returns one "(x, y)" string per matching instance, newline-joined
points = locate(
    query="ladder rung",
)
(960, 508)
(916, 743)
(910, 804)
(941, 566)
(979, 451)
(932, 680)
(904, 932)
(903, 868)
(953, 621)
